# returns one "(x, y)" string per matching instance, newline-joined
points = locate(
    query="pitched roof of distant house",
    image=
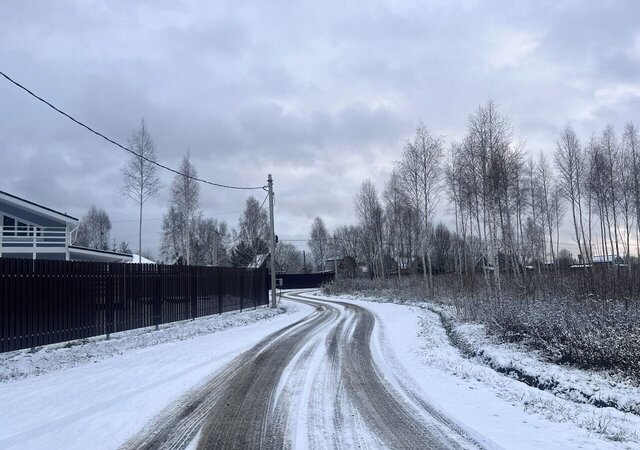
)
(137, 259)
(34, 206)
(606, 258)
(258, 261)
(115, 256)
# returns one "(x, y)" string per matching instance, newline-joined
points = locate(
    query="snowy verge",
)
(488, 377)
(103, 404)
(24, 363)
(597, 388)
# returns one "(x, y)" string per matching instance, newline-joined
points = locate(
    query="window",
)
(22, 229)
(8, 226)
(14, 227)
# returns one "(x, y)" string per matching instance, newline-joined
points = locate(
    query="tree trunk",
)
(140, 235)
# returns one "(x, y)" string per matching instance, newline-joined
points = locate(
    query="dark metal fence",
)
(44, 302)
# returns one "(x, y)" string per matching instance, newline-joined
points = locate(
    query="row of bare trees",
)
(601, 184)
(187, 236)
(507, 206)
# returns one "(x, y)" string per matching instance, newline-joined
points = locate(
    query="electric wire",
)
(160, 218)
(237, 238)
(97, 133)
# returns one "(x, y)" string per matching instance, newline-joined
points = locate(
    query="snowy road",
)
(313, 384)
(322, 372)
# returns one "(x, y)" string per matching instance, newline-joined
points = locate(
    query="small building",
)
(330, 264)
(404, 264)
(608, 259)
(261, 261)
(481, 264)
(137, 259)
(33, 231)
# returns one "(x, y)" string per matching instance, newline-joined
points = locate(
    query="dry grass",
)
(572, 319)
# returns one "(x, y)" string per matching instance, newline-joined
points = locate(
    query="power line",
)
(156, 219)
(233, 242)
(97, 133)
(263, 201)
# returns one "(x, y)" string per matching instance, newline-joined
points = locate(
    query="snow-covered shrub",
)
(587, 320)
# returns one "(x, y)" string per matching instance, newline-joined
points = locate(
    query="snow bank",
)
(118, 386)
(597, 388)
(504, 410)
(24, 363)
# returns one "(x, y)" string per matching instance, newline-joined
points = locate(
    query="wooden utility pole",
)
(272, 243)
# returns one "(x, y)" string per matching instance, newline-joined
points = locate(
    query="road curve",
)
(312, 384)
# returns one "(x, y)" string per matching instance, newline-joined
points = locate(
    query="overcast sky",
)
(320, 94)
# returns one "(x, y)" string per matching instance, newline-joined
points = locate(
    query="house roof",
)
(258, 261)
(137, 259)
(36, 207)
(106, 254)
(606, 258)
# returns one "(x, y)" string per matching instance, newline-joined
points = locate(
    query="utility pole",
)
(272, 243)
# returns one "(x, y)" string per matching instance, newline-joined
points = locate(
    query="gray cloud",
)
(321, 94)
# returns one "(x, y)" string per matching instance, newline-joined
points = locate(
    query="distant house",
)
(137, 259)
(608, 259)
(33, 231)
(259, 262)
(330, 264)
(535, 264)
(481, 264)
(404, 264)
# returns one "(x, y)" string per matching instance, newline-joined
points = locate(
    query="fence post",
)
(194, 292)
(157, 298)
(220, 286)
(255, 288)
(243, 279)
(110, 309)
(110, 293)
(265, 288)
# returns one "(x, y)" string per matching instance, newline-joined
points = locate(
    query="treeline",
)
(501, 261)
(187, 235)
(507, 205)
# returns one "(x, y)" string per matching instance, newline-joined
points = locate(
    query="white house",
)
(34, 231)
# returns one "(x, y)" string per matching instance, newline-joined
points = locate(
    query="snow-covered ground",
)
(24, 363)
(507, 412)
(99, 393)
(583, 386)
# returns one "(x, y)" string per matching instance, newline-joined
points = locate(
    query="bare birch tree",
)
(546, 194)
(319, 243)
(369, 212)
(570, 164)
(140, 177)
(396, 205)
(610, 151)
(288, 258)
(347, 238)
(631, 145)
(94, 229)
(420, 168)
(184, 200)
